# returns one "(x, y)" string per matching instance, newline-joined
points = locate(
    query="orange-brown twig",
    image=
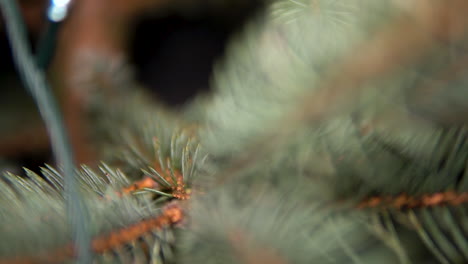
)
(146, 182)
(177, 188)
(172, 215)
(403, 201)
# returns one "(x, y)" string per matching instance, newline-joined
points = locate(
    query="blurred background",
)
(171, 47)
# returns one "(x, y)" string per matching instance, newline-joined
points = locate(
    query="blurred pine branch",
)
(336, 133)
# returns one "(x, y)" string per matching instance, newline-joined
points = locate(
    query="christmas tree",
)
(335, 133)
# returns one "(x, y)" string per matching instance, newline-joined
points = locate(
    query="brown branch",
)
(146, 182)
(172, 215)
(404, 201)
(177, 188)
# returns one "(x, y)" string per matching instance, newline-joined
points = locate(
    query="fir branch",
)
(287, 203)
(160, 182)
(146, 182)
(35, 206)
(171, 215)
(386, 52)
(404, 201)
(165, 179)
(343, 85)
(176, 185)
(442, 232)
(266, 226)
(250, 131)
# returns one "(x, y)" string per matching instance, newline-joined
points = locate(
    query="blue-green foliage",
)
(376, 146)
(270, 184)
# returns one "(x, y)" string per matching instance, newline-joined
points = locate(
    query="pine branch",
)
(118, 220)
(403, 201)
(171, 215)
(343, 85)
(343, 171)
(351, 131)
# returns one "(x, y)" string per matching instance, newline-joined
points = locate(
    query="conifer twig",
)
(146, 182)
(409, 202)
(171, 215)
(163, 181)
